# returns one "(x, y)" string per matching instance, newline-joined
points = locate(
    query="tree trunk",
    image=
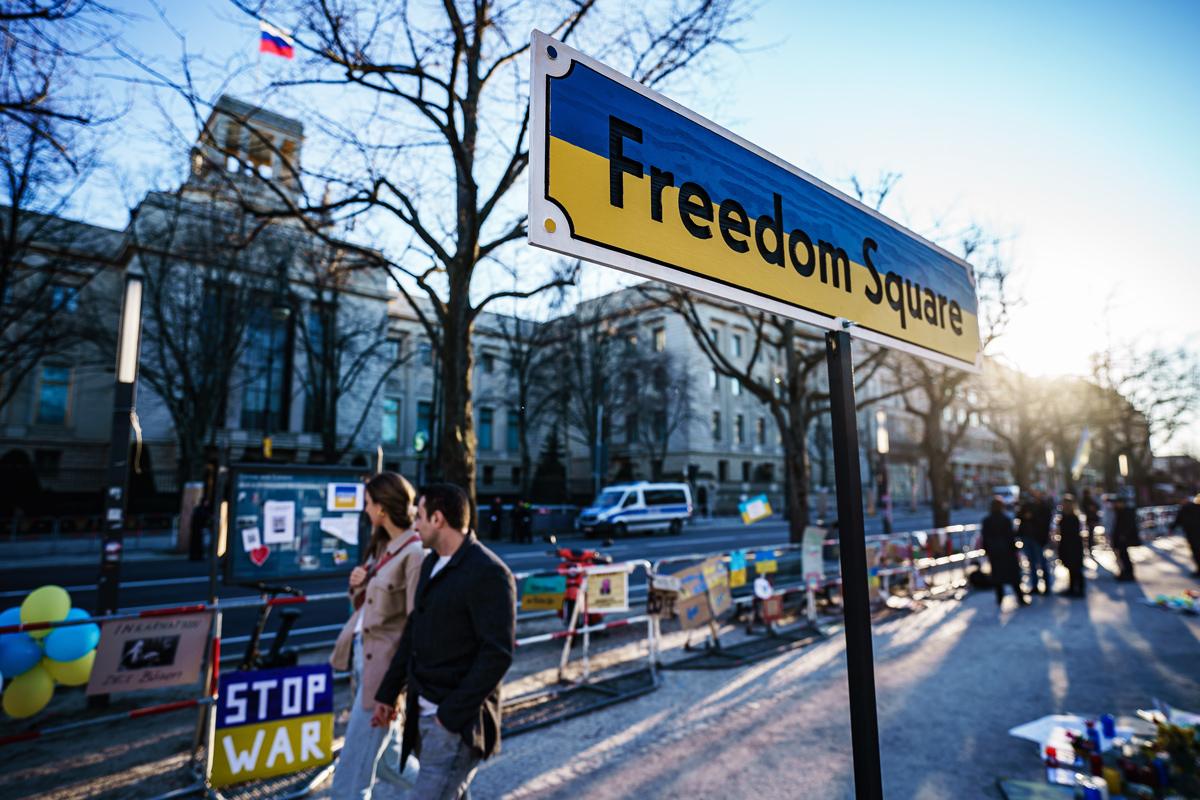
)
(456, 444)
(941, 478)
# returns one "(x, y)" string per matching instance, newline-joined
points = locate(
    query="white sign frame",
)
(557, 237)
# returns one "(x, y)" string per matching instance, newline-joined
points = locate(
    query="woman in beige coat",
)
(382, 592)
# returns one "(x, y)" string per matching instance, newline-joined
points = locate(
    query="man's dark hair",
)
(449, 499)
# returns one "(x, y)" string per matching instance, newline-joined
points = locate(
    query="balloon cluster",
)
(31, 663)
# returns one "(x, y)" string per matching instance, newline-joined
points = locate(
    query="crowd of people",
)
(1030, 534)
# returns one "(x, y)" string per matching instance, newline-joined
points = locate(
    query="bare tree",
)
(587, 350)
(937, 395)
(661, 404)
(1141, 399)
(442, 143)
(208, 278)
(783, 370)
(1014, 407)
(49, 131)
(530, 350)
(347, 347)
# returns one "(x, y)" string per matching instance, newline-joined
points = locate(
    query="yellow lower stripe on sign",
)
(263, 750)
(843, 287)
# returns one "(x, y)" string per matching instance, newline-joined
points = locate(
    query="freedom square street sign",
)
(625, 177)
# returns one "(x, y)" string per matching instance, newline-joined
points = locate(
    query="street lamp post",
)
(882, 446)
(129, 337)
(1050, 469)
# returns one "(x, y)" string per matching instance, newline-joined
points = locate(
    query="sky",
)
(1068, 129)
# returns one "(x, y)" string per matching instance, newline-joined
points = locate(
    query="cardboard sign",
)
(812, 561)
(764, 562)
(754, 509)
(716, 576)
(693, 611)
(607, 591)
(737, 569)
(772, 608)
(661, 602)
(272, 722)
(622, 176)
(149, 653)
(543, 593)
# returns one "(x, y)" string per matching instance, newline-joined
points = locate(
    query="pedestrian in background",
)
(382, 592)
(1091, 515)
(1036, 518)
(1188, 518)
(1124, 536)
(1001, 547)
(1070, 546)
(455, 651)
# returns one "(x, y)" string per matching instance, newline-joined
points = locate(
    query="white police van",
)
(643, 506)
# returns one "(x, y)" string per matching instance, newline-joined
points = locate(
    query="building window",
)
(266, 358)
(54, 391)
(735, 387)
(660, 339)
(713, 383)
(516, 476)
(489, 475)
(512, 431)
(425, 419)
(660, 426)
(425, 354)
(737, 345)
(631, 426)
(716, 426)
(486, 425)
(745, 472)
(760, 433)
(487, 363)
(390, 427)
(739, 429)
(722, 470)
(715, 333)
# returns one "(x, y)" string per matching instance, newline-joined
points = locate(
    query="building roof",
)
(256, 115)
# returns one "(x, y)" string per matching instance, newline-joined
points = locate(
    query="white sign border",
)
(560, 240)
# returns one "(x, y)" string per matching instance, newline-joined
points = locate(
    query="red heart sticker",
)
(259, 555)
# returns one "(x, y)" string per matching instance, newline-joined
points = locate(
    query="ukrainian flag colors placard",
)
(272, 722)
(625, 177)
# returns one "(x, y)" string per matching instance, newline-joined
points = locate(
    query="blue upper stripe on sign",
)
(580, 104)
(266, 695)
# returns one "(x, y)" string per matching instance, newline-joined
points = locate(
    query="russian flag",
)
(273, 40)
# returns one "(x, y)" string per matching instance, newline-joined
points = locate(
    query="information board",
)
(625, 177)
(288, 522)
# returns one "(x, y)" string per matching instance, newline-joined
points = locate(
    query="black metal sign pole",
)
(860, 665)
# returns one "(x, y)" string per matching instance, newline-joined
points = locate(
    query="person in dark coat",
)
(1070, 546)
(1091, 515)
(1001, 547)
(455, 650)
(1188, 518)
(1036, 517)
(1125, 535)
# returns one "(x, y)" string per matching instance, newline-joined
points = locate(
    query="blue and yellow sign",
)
(754, 509)
(272, 722)
(625, 177)
(543, 593)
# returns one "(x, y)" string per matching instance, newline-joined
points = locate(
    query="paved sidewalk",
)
(951, 680)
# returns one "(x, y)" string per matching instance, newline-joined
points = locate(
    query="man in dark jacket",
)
(1124, 536)
(1091, 515)
(454, 652)
(1036, 518)
(1001, 547)
(1188, 518)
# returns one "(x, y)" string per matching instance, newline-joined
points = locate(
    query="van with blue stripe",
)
(627, 507)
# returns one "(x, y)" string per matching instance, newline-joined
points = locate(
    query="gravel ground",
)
(952, 678)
